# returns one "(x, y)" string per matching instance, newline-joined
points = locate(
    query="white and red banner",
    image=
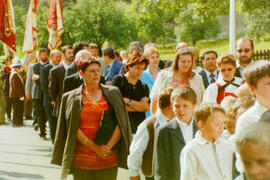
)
(55, 24)
(7, 25)
(31, 36)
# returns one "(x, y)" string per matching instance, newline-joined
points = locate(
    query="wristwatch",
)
(129, 102)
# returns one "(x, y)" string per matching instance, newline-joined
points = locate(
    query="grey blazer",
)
(29, 85)
(68, 124)
(170, 142)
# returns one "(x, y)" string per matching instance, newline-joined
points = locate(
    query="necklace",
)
(91, 97)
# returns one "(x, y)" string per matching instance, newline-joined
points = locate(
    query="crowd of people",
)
(170, 120)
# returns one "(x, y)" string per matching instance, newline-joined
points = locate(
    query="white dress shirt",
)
(197, 70)
(139, 145)
(203, 160)
(252, 115)
(186, 129)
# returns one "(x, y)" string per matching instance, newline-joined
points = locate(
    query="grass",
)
(220, 46)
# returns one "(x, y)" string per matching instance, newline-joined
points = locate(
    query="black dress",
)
(133, 92)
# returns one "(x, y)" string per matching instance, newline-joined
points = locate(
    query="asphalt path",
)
(25, 156)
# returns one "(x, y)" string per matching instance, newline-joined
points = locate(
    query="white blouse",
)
(164, 79)
(211, 92)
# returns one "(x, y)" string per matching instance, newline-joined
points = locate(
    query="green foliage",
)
(192, 28)
(97, 21)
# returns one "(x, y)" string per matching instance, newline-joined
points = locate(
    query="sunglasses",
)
(241, 50)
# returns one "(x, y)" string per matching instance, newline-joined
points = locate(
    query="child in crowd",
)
(142, 146)
(257, 77)
(174, 136)
(253, 145)
(207, 156)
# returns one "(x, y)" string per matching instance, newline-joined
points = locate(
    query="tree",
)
(97, 21)
(192, 28)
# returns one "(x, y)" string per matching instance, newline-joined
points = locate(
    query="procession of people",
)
(180, 121)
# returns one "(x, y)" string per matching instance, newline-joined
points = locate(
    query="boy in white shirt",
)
(174, 136)
(143, 145)
(257, 76)
(207, 156)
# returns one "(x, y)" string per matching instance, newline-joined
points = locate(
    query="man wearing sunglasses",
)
(245, 51)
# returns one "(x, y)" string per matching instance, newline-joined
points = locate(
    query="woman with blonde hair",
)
(150, 74)
(179, 73)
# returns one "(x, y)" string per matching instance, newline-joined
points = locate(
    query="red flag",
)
(7, 25)
(55, 24)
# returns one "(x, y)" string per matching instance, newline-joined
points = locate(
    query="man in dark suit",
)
(113, 66)
(55, 57)
(210, 73)
(56, 78)
(38, 93)
(78, 46)
(17, 93)
(245, 51)
(5, 77)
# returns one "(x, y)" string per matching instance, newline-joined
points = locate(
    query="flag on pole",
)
(7, 25)
(30, 37)
(55, 24)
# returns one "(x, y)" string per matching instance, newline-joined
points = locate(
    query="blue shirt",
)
(148, 79)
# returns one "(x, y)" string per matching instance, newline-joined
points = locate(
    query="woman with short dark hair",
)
(134, 91)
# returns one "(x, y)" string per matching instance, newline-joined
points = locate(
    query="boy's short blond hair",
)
(164, 99)
(253, 134)
(228, 103)
(243, 91)
(204, 110)
(226, 59)
(242, 104)
(256, 71)
(184, 92)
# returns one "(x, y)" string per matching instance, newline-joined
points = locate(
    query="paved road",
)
(24, 156)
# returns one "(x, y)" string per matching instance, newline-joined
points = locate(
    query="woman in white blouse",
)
(226, 84)
(180, 73)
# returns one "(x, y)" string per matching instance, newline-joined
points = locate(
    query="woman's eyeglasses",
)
(245, 50)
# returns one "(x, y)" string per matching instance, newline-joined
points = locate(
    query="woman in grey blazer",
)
(93, 132)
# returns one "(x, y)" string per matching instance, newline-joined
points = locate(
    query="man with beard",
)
(245, 51)
(38, 93)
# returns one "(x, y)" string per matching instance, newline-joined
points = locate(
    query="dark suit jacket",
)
(205, 79)
(72, 69)
(5, 77)
(16, 86)
(114, 70)
(44, 81)
(68, 124)
(170, 142)
(74, 81)
(56, 78)
(37, 91)
(237, 73)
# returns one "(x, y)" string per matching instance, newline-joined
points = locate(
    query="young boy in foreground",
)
(174, 136)
(253, 145)
(207, 156)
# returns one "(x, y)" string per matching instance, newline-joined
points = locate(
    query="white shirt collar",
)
(259, 108)
(238, 65)
(208, 73)
(65, 65)
(183, 124)
(161, 118)
(203, 141)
